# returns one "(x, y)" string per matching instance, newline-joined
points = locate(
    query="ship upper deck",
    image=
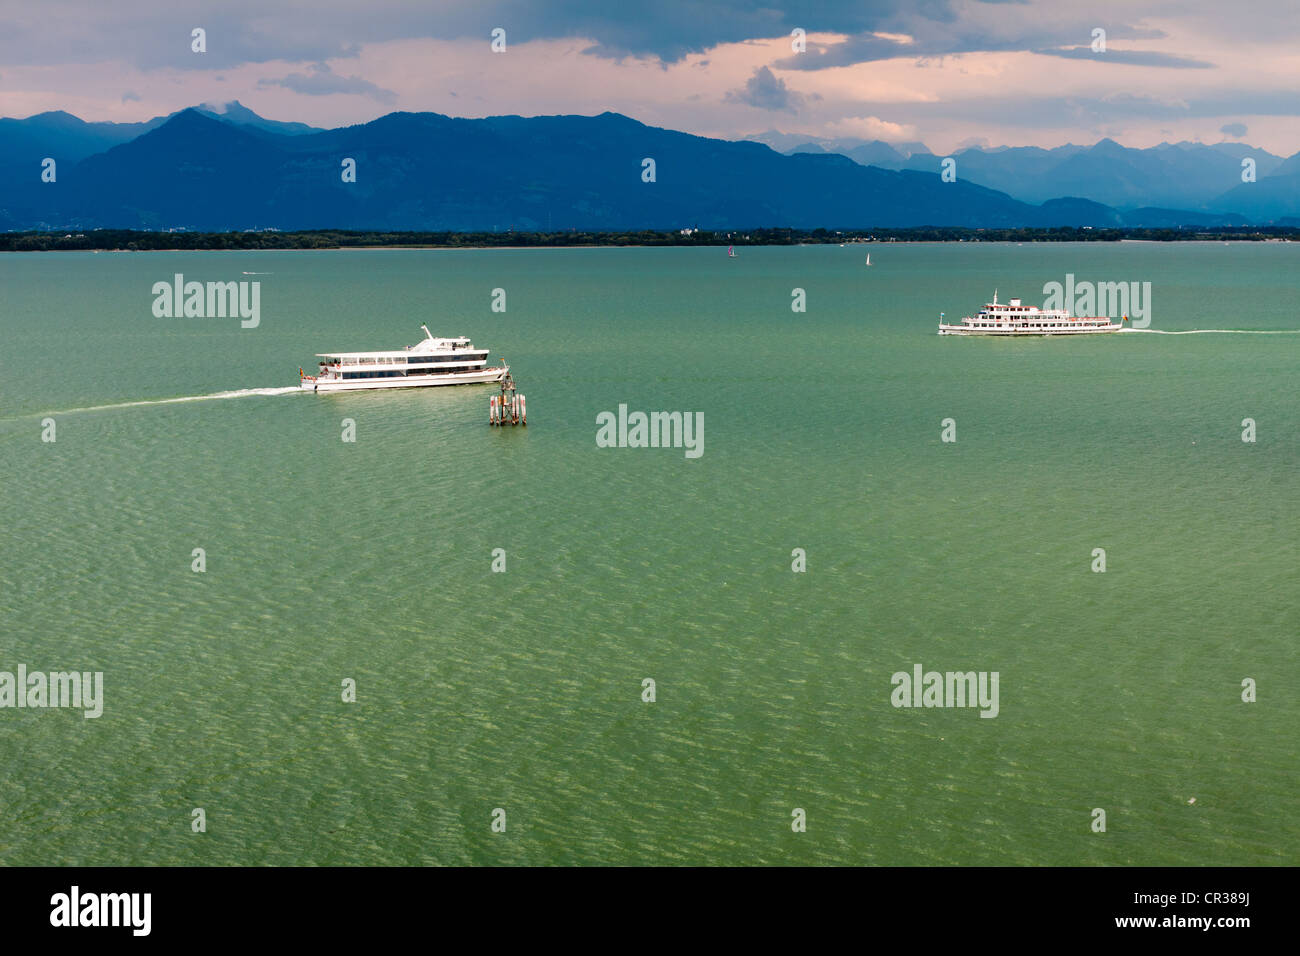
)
(430, 347)
(401, 355)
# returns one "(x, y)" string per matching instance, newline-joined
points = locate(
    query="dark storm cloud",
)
(148, 33)
(766, 92)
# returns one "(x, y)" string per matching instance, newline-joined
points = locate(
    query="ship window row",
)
(401, 373)
(459, 359)
(1032, 325)
(441, 359)
(409, 360)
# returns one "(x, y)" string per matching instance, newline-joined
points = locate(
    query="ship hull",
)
(1024, 333)
(475, 377)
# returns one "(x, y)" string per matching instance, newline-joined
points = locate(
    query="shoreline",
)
(120, 240)
(914, 242)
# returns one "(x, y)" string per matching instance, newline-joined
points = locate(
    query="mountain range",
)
(217, 168)
(1205, 178)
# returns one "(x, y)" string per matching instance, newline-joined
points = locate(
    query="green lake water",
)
(371, 560)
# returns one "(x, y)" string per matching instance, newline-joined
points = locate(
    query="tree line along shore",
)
(144, 241)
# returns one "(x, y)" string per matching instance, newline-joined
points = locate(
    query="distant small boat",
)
(731, 252)
(868, 258)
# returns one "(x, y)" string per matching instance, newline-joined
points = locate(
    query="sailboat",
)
(868, 258)
(731, 252)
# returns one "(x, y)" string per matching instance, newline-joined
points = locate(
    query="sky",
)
(949, 73)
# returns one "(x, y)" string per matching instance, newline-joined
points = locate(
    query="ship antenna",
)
(426, 330)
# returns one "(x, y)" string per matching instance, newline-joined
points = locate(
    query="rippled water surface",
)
(372, 561)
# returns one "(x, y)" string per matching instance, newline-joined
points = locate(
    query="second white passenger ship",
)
(1013, 318)
(434, 361)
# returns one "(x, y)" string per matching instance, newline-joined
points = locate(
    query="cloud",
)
(767, 92)
(253, 31)
(1144, 104)
(1236, 130)
(322, 81)
(131, 96)
(926, 34)
(871, 128)
(1128, 57)
(852, 50)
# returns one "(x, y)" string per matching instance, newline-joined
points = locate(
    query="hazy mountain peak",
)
(58, 117)
(229, 107)
(1108, 145)
(236, 112)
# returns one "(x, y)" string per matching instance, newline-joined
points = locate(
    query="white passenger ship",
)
(434, 361)
(1013, 318)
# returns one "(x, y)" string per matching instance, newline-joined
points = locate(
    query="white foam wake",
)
(236, 393)
(1218, 331)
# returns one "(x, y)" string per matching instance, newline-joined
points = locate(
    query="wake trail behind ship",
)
(1218, 331)
(236, 393)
